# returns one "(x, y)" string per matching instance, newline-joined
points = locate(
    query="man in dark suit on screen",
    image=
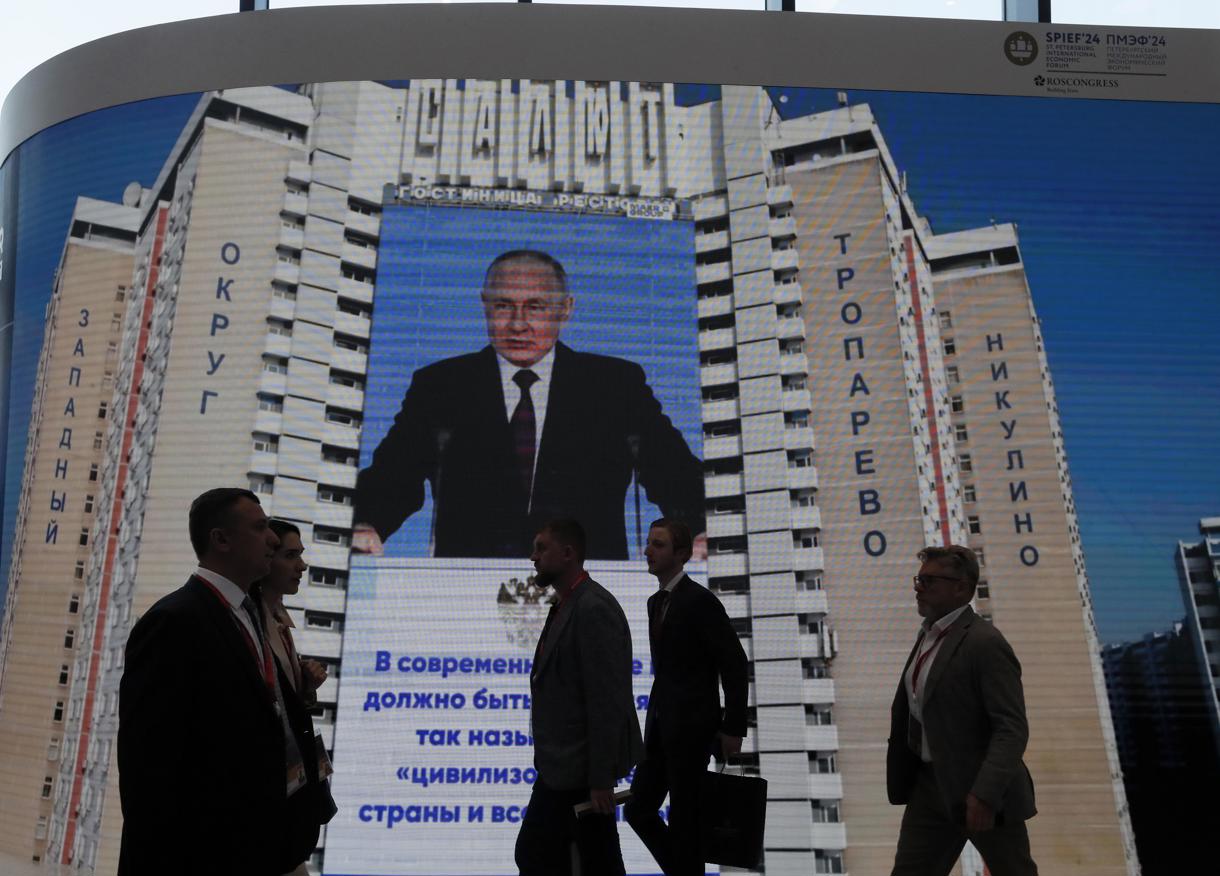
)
(524, 430)
(695, 652)
(216, 773)
(958, 732)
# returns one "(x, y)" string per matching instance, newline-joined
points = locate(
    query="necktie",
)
(658, 615)
(260, 645)
(524, 425)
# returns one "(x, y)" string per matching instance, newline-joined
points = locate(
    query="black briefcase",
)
(732, 818)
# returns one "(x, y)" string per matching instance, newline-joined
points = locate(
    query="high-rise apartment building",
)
(1198, 567)
(852, 366)
(43, 637)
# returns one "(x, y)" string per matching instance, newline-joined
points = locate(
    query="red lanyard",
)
(268, 670)
(919, 661)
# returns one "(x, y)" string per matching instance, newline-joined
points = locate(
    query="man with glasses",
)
(525, 430)
(958, 732)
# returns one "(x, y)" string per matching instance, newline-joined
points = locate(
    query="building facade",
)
(853, 412)
(1198, 565)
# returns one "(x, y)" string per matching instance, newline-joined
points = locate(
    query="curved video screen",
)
(824, 328)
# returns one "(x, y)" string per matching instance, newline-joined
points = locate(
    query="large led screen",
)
(824, 328)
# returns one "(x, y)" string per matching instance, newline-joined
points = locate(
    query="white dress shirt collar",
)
(673, 582)
(232, 594)
(944, 622)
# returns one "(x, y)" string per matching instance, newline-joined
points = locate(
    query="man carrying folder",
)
(586, 734)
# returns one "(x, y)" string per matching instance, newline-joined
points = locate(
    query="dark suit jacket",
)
(602, 421)
(974, 720)
(695, 651)
(201, 750)
(586, 733)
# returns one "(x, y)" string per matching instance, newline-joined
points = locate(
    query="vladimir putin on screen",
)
(525, 430)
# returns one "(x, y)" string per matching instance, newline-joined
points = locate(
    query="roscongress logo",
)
(1021, 48)
(1039, 81)
(1074, 82)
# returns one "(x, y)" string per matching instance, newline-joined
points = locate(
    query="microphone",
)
(442, 440)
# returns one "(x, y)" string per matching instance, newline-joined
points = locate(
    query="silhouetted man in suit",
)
(524, 430)
(958, 731)
(586, 733)
(695, 651)
(211, 772)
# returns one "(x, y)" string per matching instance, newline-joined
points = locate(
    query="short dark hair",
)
(282, 527)
(679, 534)
(963, 560)
(210, 511)
(536, 256)
(568, 532)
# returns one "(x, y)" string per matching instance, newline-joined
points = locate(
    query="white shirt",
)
(929, 644)
(669, 588)
(233, 596)
(539, 393)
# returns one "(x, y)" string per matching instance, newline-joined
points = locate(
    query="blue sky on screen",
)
(1115, 203)
(633, 282)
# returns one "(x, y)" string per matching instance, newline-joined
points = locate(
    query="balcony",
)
(719, 411)
(283, 308)
(788, 292)
(713, 273)
(329, 691)
(262, 462)
(273, 382)
(717, 339)
(365, 224)
(804, 478)
(826, 786)
(793, 363)
(347, 397)
(818, 691)
(354, 324)
(319, 597)
(797, 400)
(736, 604)
(293, 238)
(811, 645)
(327, 556)
(299, 172)
(719, 485)
(785, 260)
(327, 732)
(715, 305)
(806, 517)
(779, 196)
(296, 203)
(726, 565)
(268, 421)
(365, 257)
(800, 438)
(718, 375)
(719, 525)
(808, 559)
(789, 328)
(336, 474)
(352, 361)
(710, 242)
(821, 737)
(339, 435)
(829, 835)
(319, 643)
(357, 290)
(783, 226)
(722, 448)
(710, 207)
(287, 272)
(332, 514)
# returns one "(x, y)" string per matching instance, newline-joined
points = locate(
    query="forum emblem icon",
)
(1039, 81)
(1021, 48)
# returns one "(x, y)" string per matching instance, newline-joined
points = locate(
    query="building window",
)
(952, 374)
(93, 472)
(972, 524)
(97, 440)
(88, 504)
(978, 552)
(47, 784)
(960, 433)
(275, 364)
(69, 638)
(262, 484)
(84, 537)
(965, 463)
(58, 714)
(824, 764)
(983, 591)
(79, 572)
(63, 674)
(957, 404)
(101, 410)
(968, 494)
(279, 327)
(264, 443)
(950, 347)
(273, 403)
(946, 319)
(74, 603)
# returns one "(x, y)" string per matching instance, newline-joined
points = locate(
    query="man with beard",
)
(586, 734)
